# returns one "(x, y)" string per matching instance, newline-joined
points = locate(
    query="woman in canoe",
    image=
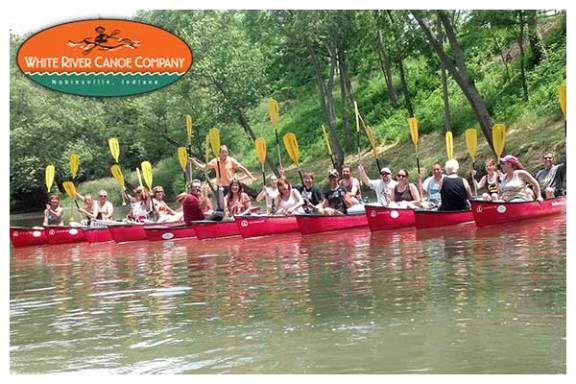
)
(454, 190)
(139, 205)
(54, 213)
(405, 193)
(90, 210)
(237, 201)
(490, 180)
(269, 193)
(104, 207)
(205, 202)
(311, 194)
(164, 213)
(289, 200)
(513, 186)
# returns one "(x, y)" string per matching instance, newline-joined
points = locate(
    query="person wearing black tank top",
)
(455, 191)
(405, 194)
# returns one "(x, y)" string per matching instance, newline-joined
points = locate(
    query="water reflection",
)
(457, 299)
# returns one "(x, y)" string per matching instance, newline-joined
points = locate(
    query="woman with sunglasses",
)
(405, 193)
(105, 208)
(289, 200)
(138, 205)
(164, 213)
(513, 186)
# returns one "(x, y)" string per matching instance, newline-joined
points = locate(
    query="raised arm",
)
(363, 175)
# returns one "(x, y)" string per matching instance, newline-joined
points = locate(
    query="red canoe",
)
(23, 237)
(207, 229)
(169, 232)
(324, 223)
(97, 235)
(122, 233)
(64, 235)
(431, 219)
(489, 212)
(388, 218)
(254, 226)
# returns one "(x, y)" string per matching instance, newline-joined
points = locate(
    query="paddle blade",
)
(499, 138)
(471, 136)
(563, 99)
(261, 150)
(114, 148)
(182, 157)
(49, 176)
(117, 173)
(449, 145)
(74, 163)
(147, 173)
(70, 189)
(214, 137)
(357, 117)
(372, 139)
(189, 128)
(291, 144)
(413, 124)
(273, 112)
(327, 140)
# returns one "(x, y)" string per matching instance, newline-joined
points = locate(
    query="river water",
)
(450, 300)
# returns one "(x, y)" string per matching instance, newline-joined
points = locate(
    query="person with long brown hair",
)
(289, 200)
(405, 193)
(237, 201)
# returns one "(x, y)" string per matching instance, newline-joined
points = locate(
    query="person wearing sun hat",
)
(513, 187)
(383, 187)
(105, 207)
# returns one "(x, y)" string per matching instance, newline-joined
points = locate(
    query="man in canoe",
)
(350, 184)
(383, 187)
(310, 193)
(431, 187)
(225, 168)
(552, 178)
(191, 203)
(335, 199)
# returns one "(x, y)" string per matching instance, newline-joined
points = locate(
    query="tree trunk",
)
(522, 58)
(387, 69)
(327, 101)
(459, 72)
(504, 61)
(535, 40)
(407, 99)
(345, 95)
(445, 95)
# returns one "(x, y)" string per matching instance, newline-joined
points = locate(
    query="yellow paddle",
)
(114, 148)
(291, 144)
(147, 173)
(471, 136)
(373, 144)
(563, 99)
(274, 113)
(117, 174)
(413, 124)
(74, 163)
(499, 138)
(70, 189)
(449, 145)
(49, 176)
(328, 146)
(357, 130)
(261, 154)
(189, 135)
(183, 160)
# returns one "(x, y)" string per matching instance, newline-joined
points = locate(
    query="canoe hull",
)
(380, 218)
(433, 219)
(24, 237)
(490, 213)
(123, 233)
(97, 235)
(64, 235)
(214, 229)
(164, 232)
(309, 224)
(255, 226)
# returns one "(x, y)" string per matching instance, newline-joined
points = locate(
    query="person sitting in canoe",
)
(405, 193)
(164, 214)
(237, 201)
(513, 186)
(54, 213)
(205, 202)
(336, 201)
(552, 178)
(454, 190)
(90, 209)
(351, 185)
(289, 200)
(104, 207)
(490, 180)
(192, 203)
(139, 204)
(311, 194)
(225, 168)
(269, 194)
(384, 187)
(431, 187)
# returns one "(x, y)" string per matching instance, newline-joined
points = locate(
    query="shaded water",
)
(451, 300)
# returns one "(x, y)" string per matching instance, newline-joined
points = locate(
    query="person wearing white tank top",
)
(289, 200)
(513, 186)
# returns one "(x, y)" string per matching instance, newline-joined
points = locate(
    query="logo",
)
(244, 223)
(501, 209)
(167, 235)
(372, 213)
(73, 231)
(104, 57)
(394, 214)
(36, 234)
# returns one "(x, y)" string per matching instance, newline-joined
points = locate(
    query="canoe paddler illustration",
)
(104, 41)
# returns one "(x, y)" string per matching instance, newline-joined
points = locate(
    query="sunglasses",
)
(103, 196)
(548, 157)
(384, 174)
(400, 175)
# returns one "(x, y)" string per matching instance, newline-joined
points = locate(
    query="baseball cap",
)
(386, 170)
(333, 173)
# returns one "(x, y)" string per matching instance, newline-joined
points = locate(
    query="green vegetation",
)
(315, 63)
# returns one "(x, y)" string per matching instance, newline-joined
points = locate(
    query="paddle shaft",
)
(278, 148)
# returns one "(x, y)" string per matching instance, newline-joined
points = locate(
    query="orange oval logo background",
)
(104, 57)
